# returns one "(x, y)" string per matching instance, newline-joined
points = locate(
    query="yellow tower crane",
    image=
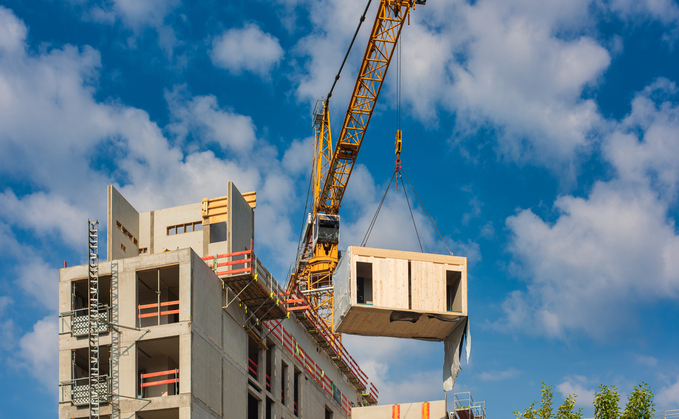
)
(317, 256)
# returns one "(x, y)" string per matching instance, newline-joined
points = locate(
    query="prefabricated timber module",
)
(380, 292)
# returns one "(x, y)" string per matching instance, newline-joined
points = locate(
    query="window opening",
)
(218, 232)
(284, 379)
(269, 408)
(328, 413)
(269, 367)
(158, 367)
(296, 393)
(80, 384)
(79, 298)
(364, 282)
(126, 233)
(453, 291)
(184, 228)
(157, 414)
(253, 358)
(253, 407)
(158, 296)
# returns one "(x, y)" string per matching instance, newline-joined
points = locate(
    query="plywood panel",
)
(428, 286)
(393, 284)
(390, 281)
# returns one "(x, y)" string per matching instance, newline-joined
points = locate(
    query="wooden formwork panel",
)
(381, 292)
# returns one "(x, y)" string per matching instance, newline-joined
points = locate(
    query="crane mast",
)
(317, 256)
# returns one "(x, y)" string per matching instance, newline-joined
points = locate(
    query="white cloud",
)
(38, 352)
(7, 329)
(135, 16)
(138, 14)
(649, 361)
(666, 11)
(298, 157)
(30, 212)
(50, 117)
(202, 116)
(247, 49)
(321, 52)
(499, 375)
(668, 397)
(503, 65)
(577, 386)
(39, 280)
(585, 269)
(12, 31)
(527, 82)
(384, 360)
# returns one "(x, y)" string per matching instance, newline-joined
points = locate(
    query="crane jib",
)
(379, 51)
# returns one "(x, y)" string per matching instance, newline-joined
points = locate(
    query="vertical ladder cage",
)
(115, 344)
(93, 314)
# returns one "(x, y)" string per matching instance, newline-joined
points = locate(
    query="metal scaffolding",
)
(93, 315)
(115, 344)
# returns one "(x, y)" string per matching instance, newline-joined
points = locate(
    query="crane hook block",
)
(399, 141)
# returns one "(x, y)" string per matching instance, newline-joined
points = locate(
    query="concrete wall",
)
(119, 210)
(240, 225)
(146, 231)
(173, 216)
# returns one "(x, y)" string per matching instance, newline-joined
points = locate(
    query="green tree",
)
(639, 403)
(606, 403)
(545, 411)
(529, 413)
(567, 409)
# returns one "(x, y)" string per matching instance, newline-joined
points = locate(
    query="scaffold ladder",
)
(93, 314)
(115, 344)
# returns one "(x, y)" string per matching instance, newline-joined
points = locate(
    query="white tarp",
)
(452, 347)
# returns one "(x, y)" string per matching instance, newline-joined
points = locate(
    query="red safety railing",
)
(252, 367)
(372, 390)
(290, 344)
(158, 309)
(331, 338)
(268, 382)
(216, 264)
(175, 380)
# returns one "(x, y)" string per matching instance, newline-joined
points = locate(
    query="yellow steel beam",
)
(333, 169)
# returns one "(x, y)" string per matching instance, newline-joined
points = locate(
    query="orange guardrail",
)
(216, 264)
(174, 380)
(155, 306)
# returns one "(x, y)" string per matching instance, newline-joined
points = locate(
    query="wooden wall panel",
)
(428, 286)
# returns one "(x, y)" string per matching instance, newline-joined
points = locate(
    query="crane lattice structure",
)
(93, 314)
(317, 256)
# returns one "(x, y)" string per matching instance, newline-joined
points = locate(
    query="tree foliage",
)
(606, 405)
(639, 403)
(565, 411)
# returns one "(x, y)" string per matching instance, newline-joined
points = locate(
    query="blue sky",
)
(542, 137)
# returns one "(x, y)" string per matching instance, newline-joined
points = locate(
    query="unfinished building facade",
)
(189, 324)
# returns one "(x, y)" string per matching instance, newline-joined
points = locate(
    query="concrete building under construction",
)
(189, 324)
